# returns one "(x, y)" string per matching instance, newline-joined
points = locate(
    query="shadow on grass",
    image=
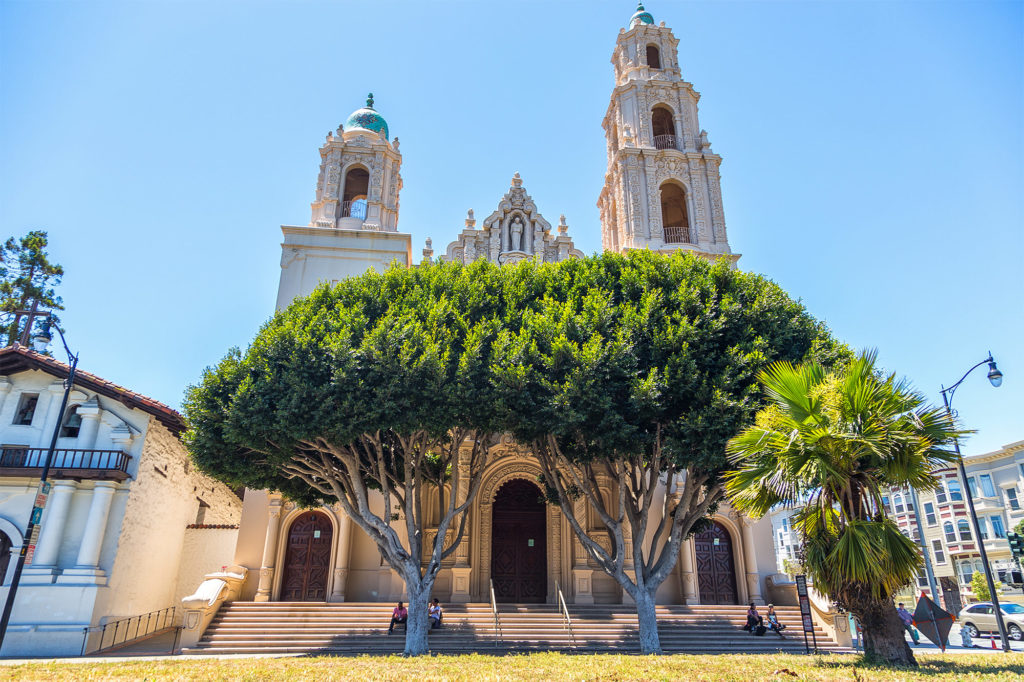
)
(926, 666)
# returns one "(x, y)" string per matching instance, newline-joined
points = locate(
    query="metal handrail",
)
(119, 629)
(564, 608)
(354, 209)
(666, 142)
(677, 234)
(494, 611)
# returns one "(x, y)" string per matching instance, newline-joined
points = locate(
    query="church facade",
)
(661, 192)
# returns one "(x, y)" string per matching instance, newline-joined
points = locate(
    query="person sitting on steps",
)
(436, 614)
(399, 616)
(753, 619)
(773, 621)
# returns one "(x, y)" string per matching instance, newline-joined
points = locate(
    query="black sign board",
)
(805, 612)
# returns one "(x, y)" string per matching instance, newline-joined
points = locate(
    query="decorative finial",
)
(562, 227)
(470, 220)
(394, 144)
(341, 129)
(369, 101)
(428, 252)
(516, 180)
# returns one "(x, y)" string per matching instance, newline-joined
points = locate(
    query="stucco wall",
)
(163, 500)
(204, 550)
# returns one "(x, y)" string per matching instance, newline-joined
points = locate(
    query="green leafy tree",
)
(979, 586)
(26, 276)
(839, 439)
(628, 375)
(374, 393)
(1019, 528)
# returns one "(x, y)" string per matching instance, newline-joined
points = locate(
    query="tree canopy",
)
(830, 443)
(631, 373)
(27, 276)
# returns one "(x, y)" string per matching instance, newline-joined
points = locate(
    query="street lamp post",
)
(996, 378)
(37, 510)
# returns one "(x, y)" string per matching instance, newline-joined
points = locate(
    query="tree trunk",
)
(884, 638)
(647, 618)
(417, 627)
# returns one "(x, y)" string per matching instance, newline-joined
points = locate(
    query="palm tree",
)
(830, 443)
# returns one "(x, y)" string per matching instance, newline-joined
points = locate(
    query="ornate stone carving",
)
(515, 231)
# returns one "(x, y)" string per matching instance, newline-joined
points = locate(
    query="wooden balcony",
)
(67, 464)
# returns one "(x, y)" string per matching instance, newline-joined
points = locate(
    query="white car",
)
(981, 618)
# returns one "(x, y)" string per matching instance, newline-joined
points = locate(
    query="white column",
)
(5, 389)
(750, 559)
(90, 414)
(341, 561)
(56, 395)
(689, 578)
(51, 533)
(96, 525)
(270, 549)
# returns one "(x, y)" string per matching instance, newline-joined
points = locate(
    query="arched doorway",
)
(353, 201)
(519, 557)
(674, 218)
(5, 556)
(307, 559)
(716, 571)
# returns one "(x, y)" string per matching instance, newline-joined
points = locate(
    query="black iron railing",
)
(354, 209)
(66, 462)
(666, 142)
(126, 630)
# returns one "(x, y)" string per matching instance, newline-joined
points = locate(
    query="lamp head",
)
(994, 375)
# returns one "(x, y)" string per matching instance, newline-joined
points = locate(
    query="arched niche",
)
(675, 219)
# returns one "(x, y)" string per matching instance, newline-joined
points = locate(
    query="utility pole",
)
(32, 528)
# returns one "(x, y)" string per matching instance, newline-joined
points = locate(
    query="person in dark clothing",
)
(753, 619)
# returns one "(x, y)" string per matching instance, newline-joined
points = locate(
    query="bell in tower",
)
(354, 222)
(662, 189)
(359, 177)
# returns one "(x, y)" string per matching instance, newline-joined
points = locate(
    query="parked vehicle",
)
(981, 618)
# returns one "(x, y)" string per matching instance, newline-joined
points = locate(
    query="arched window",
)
(947, 528)
(663, 127)
(653, 57)
(955, 494)
(353, 201)
(964, 530)
(673, 214)
(72, 423)
(897, 503)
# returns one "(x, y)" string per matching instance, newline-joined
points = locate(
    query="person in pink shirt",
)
(399, 616)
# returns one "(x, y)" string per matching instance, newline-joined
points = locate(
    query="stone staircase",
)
(361, 628)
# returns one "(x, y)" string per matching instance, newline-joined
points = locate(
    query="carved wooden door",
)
(307, 559)
(519, 559)
(716, 572)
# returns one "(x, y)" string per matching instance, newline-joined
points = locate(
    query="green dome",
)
(367, 118)
(641, 16)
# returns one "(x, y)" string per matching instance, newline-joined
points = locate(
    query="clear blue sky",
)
(872, 157)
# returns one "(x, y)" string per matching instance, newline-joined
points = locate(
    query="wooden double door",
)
(716, 569)
(519, 555)
(307, 559)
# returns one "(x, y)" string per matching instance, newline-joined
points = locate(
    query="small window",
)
(986, 486)
(1021, 470)
(201, 514)
(885, 504)
(897, 501)
(26, 409)
(940, 494)
(955, 494)
(653, 57)
(72, 423)
(998, 531)
(964, 530)
(983, 527)
(972, 485)
(940, 556)
(1011, 498)
(929, 513)
(966, 571)
(947, 528)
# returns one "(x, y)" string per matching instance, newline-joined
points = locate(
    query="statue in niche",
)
(517, 234)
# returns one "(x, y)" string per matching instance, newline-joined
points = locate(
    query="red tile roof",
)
(18, 358)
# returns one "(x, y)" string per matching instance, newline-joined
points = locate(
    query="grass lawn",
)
(543, 666)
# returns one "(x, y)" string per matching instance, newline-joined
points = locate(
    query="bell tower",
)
(662, 189)
(354, 221)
